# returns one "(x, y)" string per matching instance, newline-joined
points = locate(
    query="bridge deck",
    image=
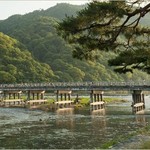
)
(97, 103)
(77, 86)
(64, 102)
(138, 104)
(36, 101)
(13, 100)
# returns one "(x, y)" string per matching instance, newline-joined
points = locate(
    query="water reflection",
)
(65, 117)
(65, 111)
(100, 112)
(99, 121)
(68, 128)
(140, 117)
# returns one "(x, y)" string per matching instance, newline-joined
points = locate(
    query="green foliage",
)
(110, 26)
(84, 101)
(6, 77)
(50, 101)
(41, 55)
(89, 28)
(146, 145)
(61, 10)
(17, 65)
(137, 58)
(112, 100)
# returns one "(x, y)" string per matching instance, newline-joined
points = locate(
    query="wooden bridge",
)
(128, 86)
(35, 92)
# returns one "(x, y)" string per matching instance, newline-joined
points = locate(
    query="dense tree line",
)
(43, 56)
(17, 64)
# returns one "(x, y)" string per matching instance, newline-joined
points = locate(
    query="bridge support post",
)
(29, 94)
(12, 98)
(36, 94)
(36, 97)
(138, 103)
(63, 98)
(96, 100)
(12, 94)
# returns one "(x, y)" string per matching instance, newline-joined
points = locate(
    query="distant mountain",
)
(37, 33)
(62, 9)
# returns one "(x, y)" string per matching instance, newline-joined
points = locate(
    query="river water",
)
(68, 129)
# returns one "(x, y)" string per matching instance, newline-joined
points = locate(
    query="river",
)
(68, 129)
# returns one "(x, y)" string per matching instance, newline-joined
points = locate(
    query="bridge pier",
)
(38, 94)
(63, 99)
(63, 95)
(138, 103)
(12, 94)
(12, 98)
(96, 100)
(37, 97)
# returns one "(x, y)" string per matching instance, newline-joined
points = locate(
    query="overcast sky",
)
(11, 7)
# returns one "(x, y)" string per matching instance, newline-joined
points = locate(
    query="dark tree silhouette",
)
(111, 26)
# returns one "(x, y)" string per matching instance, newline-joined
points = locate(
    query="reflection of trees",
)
(65, 117)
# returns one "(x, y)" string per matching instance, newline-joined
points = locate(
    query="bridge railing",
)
(74, 84)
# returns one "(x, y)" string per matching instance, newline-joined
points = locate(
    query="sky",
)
(11, 7)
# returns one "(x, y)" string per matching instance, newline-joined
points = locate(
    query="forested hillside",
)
(40, 41)
(17, 64)
(60, 11)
